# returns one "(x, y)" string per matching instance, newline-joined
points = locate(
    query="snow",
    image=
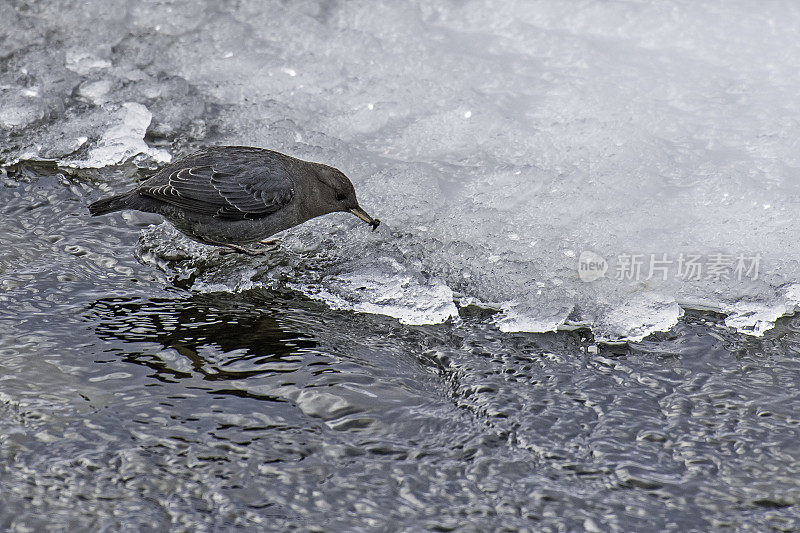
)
(499, 142)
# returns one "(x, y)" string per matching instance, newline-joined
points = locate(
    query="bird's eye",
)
(341, 197)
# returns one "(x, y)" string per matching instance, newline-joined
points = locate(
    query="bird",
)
(230, 196)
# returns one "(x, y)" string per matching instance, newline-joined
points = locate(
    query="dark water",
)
(127, 402)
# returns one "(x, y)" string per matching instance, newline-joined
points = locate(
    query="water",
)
(130, 402)
(370, 381)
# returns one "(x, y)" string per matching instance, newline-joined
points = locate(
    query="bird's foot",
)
(233, 248)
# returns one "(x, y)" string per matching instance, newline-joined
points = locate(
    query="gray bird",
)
(234, 195)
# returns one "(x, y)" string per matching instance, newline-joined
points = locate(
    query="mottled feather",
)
(234, 195)
(246, 184)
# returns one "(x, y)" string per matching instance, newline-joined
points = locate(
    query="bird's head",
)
(338, 194)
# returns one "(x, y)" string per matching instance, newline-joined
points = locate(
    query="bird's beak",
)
(360, 213)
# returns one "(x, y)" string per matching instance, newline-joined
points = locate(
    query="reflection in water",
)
(223, 338)
(266, 346)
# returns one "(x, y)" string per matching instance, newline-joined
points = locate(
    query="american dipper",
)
(234, 195)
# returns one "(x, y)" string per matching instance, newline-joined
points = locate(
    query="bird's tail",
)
(109, 205)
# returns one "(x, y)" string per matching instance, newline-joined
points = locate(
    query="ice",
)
(500, 142)
(85, 63)
(379, 284)
(757, 317)
(386, 288)
(95, 91)
(19, 111)
(79, 85)
(105, 136)
(122, 140)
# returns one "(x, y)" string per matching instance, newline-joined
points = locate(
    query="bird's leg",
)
(271, 245)
(235, 248)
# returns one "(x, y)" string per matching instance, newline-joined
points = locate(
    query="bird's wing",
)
(227, 190)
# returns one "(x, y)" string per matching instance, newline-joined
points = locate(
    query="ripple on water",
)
(142, 405)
